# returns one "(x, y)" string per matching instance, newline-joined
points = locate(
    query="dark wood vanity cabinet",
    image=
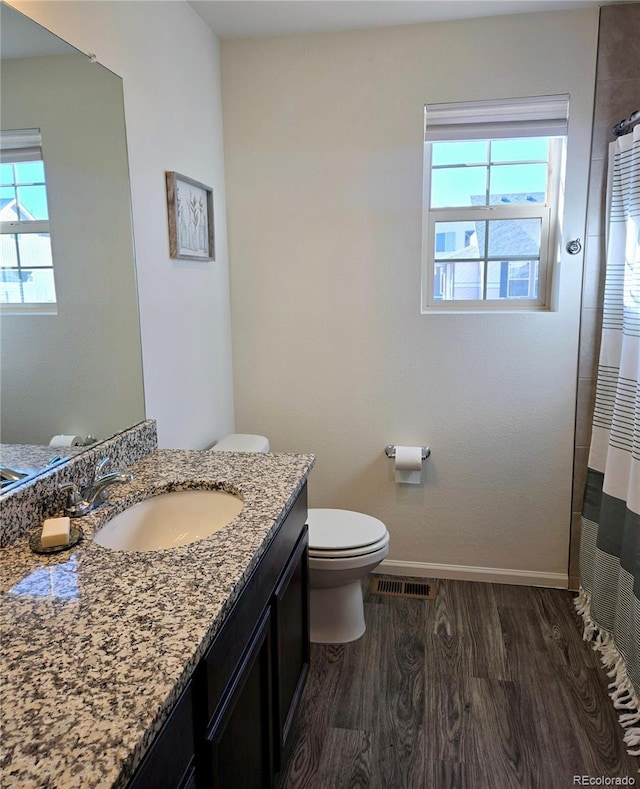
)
(237, 751)
(291, 654)
(170, 760)
(244, 693)
(250, 681)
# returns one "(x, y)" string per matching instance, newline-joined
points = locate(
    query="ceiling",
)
(254, 18)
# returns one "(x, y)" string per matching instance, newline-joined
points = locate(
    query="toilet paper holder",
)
(390, 451)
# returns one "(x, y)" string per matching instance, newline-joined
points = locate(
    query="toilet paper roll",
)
(66, 441)
(408, 466)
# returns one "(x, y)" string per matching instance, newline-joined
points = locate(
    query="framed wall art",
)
(190, 206)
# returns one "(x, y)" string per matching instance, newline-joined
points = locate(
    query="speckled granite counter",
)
(30, 459)
(97, 644)
(33, 457)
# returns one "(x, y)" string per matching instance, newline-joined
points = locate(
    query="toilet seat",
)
(337, 534)
(364, 550)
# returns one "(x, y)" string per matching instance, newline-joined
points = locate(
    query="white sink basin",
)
(169, 520)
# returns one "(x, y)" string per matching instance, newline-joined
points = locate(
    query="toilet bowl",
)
(344, 546)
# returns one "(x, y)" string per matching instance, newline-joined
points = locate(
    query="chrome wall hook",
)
(573, 247)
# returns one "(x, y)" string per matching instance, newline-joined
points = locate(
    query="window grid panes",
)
(26, 271)
(465, 280)
(489, 214)
(489, 172)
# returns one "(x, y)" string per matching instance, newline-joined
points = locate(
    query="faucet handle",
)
(100, 466)
(74, 496)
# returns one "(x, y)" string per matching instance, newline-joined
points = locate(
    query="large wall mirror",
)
(70, 352)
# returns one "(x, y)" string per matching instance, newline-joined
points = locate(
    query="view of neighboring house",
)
(511, 247)
(12, 211)
(25, 257)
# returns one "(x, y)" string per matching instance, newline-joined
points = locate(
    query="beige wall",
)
(169, 62)
(54, 366)
(323, 155)
(617, 96)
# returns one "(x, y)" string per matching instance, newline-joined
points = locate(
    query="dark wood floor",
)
(486, 687)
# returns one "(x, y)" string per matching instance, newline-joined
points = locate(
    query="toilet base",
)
(337, 614)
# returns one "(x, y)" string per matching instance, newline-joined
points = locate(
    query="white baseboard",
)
(459, 572)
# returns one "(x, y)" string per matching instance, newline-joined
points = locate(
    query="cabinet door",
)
(189, 781)
(290, 611)
(169, 761)
(239, 744)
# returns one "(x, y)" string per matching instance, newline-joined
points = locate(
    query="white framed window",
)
(26, 262)
(491, 204)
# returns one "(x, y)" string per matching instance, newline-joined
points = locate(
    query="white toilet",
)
(242, 442)
(343, 547)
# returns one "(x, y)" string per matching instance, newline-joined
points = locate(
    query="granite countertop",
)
(97, 645)
(31, 459)
(34, 457)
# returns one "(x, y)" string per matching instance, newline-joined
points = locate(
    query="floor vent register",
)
(395, 587)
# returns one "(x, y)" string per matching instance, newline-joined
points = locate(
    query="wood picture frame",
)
(190, 210)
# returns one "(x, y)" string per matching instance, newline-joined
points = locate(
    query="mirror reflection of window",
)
(26, 273)
(70, 363)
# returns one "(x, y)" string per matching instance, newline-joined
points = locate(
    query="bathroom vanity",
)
(172, 668)
(230, 725)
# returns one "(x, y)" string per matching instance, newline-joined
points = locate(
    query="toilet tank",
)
(242, 442)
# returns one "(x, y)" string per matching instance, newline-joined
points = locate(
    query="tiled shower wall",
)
(617, 96)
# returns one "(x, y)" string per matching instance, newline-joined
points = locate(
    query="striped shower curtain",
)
(609, 600)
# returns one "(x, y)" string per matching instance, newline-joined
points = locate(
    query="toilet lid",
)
(242, 442)
(337, 530)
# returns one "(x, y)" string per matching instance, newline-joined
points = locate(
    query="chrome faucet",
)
(81, 501)
(11, 474)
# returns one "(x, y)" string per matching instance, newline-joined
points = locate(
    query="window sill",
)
(477, 310)
(28, 309)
